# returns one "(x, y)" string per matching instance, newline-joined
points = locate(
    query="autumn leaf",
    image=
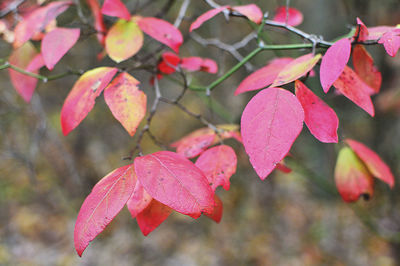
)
(23, 84)
(375, 33)
(334, 62)
(176, 182)
(195, 63)
(105, 201)
(81, 98)
(138, 201)
(206, 16)
(320, 119)
(162, 31)
(270, 123)
(123, 40)
(355, 89)
(352, 177)
(361, 33)
(169, 63)
(152, 216)
(264, 76)
(296, 69)
(98, 20)
(373, 162)
(365, 68)
(216, 215)
(57, 43)
(115, 8)
(252, 12)
(391, 42)
(294, 19)
(218, 165)
(126, 102)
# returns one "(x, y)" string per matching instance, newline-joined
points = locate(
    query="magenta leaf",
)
(252, 12)
(294, 19)
(152, 216)
(206, 16)
(115, 8)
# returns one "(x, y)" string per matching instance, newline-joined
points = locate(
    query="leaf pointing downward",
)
(151, 217)
(270, 123)
(364, 67)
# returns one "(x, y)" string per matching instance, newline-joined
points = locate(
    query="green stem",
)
(20, 70)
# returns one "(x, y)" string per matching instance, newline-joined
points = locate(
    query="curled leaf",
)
(152, 216)
(169, 63)
(361, 33)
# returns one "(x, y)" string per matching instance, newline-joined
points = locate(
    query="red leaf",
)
(270, 123)
(105, 201)
(295, 16)
(57, 43)
(138, 201)
(81, 98)
(334, 62)
(355, 89)
(374, 163)
(126, 102)
(195, 63)
(151, 217)
(364, 67)
(123, 40)
(283, 168)
(252, 12)
(263, 77)
(218, 164)
(206, 16)
(361, 33)
(162, 31)
(38, 20)
(296, 69)
(209, 66)
(98, 20)
(351, 177)
(320, 119)
(115, 8)
(23, 84)
(218, 209)
(176, 182)
(391, 42)
(169, 63)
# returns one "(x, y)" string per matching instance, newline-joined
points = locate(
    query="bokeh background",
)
(288, 219)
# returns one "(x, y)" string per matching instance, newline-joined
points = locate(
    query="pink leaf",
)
(23, 84)
(252, 12)
(391, 42)
(98, 20)
(176, 182)
(355, 89)
(206, 16)
(195, 63)
(264, 76)
(115, 8)
(270, 123)
(216, 216)
(374, 163)
(105, 201)
(151, 217)
(295, 16)
(139, 200)
(36, 63)
(38, 20)
(375, 33)
(126, 102)
(365, 68)
(81, 98)
(296, 69)
(218, 164)
(320, 119)
(162, 31)
(334, 62)
(57, 43)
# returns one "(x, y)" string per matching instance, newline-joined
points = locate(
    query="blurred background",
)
(288, 219)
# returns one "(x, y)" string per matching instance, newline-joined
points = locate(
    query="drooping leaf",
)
(105, 201)
(152, 216)
(98, 20)
(126, 102)
(195, 63)
(57, 43)
(162, 31)
(138, 201)
(320, 119)
(352, 177)
(391, 42)
(365, 68)
(334, 62)
(123, 40)
(218, 165)
(81, 98)
(361, 33)
(206, 16)
(252, 12)
(270, 123)
(374, 163)
(216, 216)
(169, 63)
(23, 84)
(176, 182)
(355, 89)
(296, 69)
(38, 20)
(294, 19)
(263, 77)
(115, 8)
